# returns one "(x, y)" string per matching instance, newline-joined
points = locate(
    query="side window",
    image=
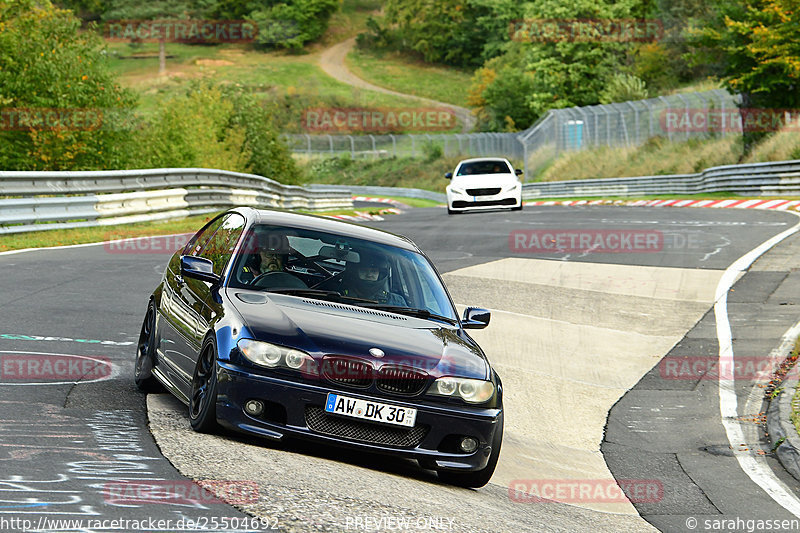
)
(201, 238)
(220, 247)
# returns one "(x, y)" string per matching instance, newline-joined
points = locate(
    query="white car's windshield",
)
(483, 167)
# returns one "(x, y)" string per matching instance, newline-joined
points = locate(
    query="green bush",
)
(47, 65)
(214, 128)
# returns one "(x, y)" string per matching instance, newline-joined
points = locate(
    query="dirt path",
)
(332, 62)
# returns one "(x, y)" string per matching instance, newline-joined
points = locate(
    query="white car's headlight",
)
(271, 355)
(456, 190)
(469, 390)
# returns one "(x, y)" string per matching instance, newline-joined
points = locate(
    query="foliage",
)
(623, 87)
(535, 75)
(758, 43)
(47, 64)
(267, 153)
(192, 130)
(453, 32)
(214, 128)
(292, 23)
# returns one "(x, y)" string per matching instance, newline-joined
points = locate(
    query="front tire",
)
(145, 351)
(203, 401)
(479, 478)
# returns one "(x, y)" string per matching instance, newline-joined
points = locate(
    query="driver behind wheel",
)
(369, 279)
(272, 254)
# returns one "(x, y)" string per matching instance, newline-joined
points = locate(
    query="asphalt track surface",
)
(66, 447)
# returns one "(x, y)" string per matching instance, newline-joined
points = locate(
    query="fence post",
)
(686, 104)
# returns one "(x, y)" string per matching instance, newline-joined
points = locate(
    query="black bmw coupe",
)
(286, 325)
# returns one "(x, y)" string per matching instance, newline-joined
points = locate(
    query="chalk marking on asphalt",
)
(755, 468)
(115, 371)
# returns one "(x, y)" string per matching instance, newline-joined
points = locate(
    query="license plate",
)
(373, 411)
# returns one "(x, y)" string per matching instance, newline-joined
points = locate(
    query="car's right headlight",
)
(456, 190)
(469, 390)
(272, 355)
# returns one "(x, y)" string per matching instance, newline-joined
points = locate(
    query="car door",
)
(180, 308)
(219, 250)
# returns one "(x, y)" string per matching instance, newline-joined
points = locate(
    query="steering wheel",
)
(282, 280)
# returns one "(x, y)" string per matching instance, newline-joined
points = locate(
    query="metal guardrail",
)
(58, 200)
(370, 190)
(757, 179)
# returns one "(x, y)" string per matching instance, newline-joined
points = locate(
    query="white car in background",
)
(484, 183)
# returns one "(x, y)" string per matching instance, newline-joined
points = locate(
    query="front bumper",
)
(463, 202)
(296, 409)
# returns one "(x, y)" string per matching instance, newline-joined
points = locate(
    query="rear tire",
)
(479, 478)
(203, 401)
(145, 352)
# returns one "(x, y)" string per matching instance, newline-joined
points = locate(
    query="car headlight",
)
(469, 390)
(513, 187)
(271, 355)
(455, 190)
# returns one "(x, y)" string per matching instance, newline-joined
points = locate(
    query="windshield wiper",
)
(320, 294)
(411, 311)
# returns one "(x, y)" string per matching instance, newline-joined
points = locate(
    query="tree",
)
(60, 102)
(454, 32)
(758, 44)
(136, 12)
(540, 71)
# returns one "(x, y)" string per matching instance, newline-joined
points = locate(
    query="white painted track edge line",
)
(758, 471)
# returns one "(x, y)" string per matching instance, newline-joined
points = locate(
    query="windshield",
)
(315, 264)
(483, 167)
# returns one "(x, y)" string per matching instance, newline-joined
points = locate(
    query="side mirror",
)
(476, 318)
(518, 171)
(198, 268)
(449, 175)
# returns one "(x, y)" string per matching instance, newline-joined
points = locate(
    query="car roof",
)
(325, 224)
(476, 159)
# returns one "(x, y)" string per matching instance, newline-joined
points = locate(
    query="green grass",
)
(64, 237)
(350, 20)
(408, 76)
(658, 156)
(388, 172)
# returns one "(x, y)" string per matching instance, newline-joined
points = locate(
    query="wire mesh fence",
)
(408, 145)
(676, 118)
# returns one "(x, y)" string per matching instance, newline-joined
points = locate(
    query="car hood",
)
(320, 328)
(484, 180)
